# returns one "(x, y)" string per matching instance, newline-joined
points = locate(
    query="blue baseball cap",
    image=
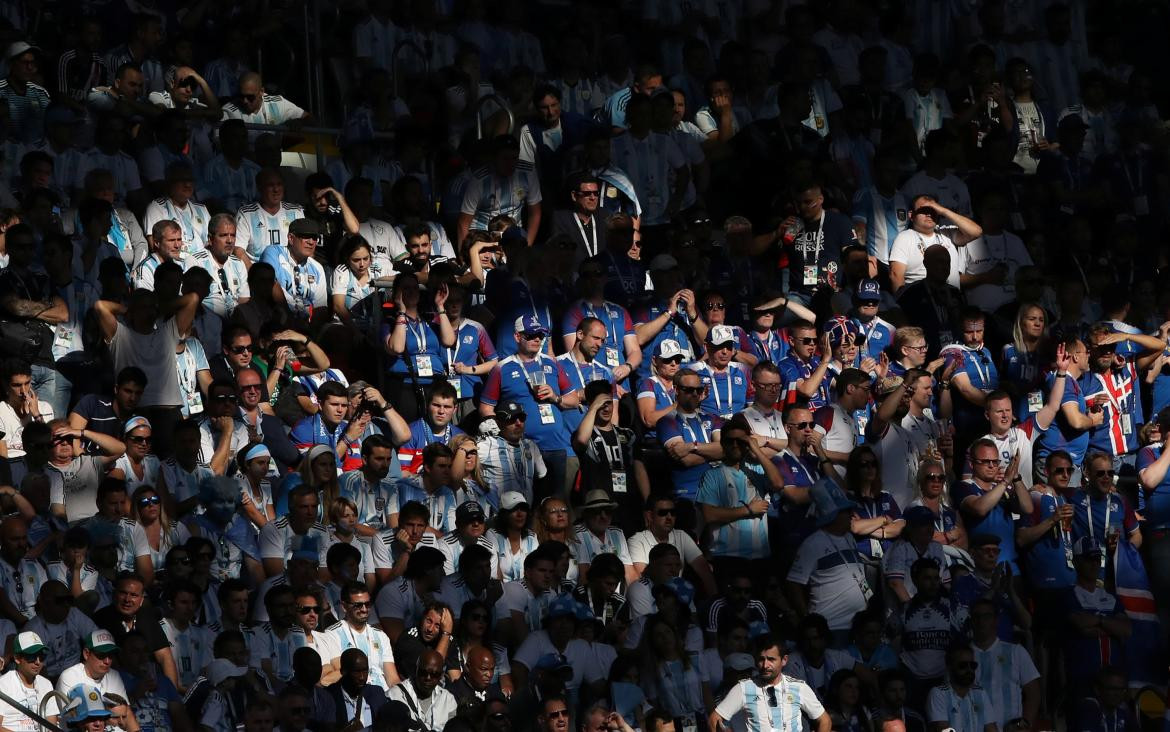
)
(868, 290)
(682, 589)
(757, 628)
(529, 324)
(562, 606)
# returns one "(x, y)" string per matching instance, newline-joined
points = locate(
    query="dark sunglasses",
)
(934, 476)
(471, 453)
(515, 419)
(1061, 471)
(588, 194)
(714, 306)
(225, 398)
(806, 341)
(531, 335)
(801, 425)
(358, 605)
(306, 609)
(249, 387)
(139, 439)
(430, 673)
(691, 389)
(38, 657)
(237, 350)
(666, 512)
(149, 501)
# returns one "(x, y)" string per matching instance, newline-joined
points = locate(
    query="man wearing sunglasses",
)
(691, 440)
(302, 279)
(585, 222)
(725, 379)
(430, 704)
(97, 658)
(960, 704)
(26, 684)
(255, 105)
(802, 372)
(770, 689)
(1100, 512)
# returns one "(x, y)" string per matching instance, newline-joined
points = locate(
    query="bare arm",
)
(107, 313)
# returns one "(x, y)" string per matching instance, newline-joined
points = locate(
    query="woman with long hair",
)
(674, 682)
(343, 515)
(554, 522)
(149, 534)
(467, 475)
(256, 503)
(1021, 361)
(472, 629)
(416, 345)
(878, 519)
(844, 705)
(352, 278)
(318, 470)
(511, 538)
(138, 466)
(933, 493)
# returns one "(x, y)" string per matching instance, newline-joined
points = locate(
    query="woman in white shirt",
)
(137, 466)
(352, 279)
(255, 488)
(149, 533)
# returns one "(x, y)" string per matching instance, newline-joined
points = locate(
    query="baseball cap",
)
(868, 290)
(27, 643)
(663, 263)
(222, 669)
(529, 324)
(562, 606)
(918, 516)
(681, 588)
(20, 47)
(888, 385)
(668, 348)
(552, 662)
(101, 641)
(469, 511)
(85, 702)
(304, 227)
(1086, 546)
(757, 628)
(720, 335)
(509, 410)
(511, 499)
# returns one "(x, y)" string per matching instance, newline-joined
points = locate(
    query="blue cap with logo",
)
(868, 290)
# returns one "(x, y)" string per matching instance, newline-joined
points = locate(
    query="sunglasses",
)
(249, 387)
(1061, 471)
(517, 418)
(471, 453)
(806, 341)
(588, 194)
(225, 398)
(306, 609)
(917, 348)
(237, 350)
(532, 335)
(559, 713)
(691, 389)
(139, 439)
(358, 605)
(935, 476)
(801, 425)
(149, 501)
(38, 657)
(666, 512)
(675, 360)
(428, 673)
(714, 306)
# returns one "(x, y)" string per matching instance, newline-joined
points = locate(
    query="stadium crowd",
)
(658, 366)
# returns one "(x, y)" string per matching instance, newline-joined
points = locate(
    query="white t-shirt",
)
(12, 685)
(13, 426)
(111, 683)
(831, 568)
(154, 353)
(642, 542)
(908, 248)
(984, 254)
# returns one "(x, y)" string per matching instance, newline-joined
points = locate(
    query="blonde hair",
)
(542, 531)
(338, 505)
(1018, 332)
(944, 497)
(477, 474)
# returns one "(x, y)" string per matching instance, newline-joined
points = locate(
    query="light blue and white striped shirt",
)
(725, 487)
(256, 229)
(883, 217)
(792, 698)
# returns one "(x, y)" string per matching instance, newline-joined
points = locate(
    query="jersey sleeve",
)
(732, 704)
(668, 429)
(491, 388)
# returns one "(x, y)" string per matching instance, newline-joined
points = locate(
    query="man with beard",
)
(959, 703)
(759, 696)
(433, 632)
(355, 631)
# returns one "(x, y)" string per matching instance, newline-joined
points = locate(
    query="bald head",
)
(480, 667)
(13, 539)
(429, 672)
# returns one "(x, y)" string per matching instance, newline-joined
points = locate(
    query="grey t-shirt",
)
(75, 485)
(154, 353)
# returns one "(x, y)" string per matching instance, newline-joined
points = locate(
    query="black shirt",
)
(146, 622)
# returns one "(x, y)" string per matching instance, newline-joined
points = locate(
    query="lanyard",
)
(765, 346)
(977, 362)
(1089, 511)
(774, 430)
(610, 317)
(820, 241)
(591, 251)
(581, 376)
(859, 578)
(691, 430)
(420, 336)
(715, 390)
(1136, 190)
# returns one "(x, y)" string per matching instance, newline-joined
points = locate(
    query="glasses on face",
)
(691, 389)
(767, 387)
(432, 673)
(149, 501)
(714, 306)
(139, 439)
(806, 341)
(103, 655)
(588, 194)
(800, 425)
(676, 360)
(225, 398)
(307, 609)
(38, 657)
(935, 477)
(249, 387)
(985, 461)
(531, 335)
(920, 349)
(557, 714)
(308, 237)
(1061, 471)
(663, 512)
(237, 350)
(517, 418)
(471, 453)
(358, 605)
